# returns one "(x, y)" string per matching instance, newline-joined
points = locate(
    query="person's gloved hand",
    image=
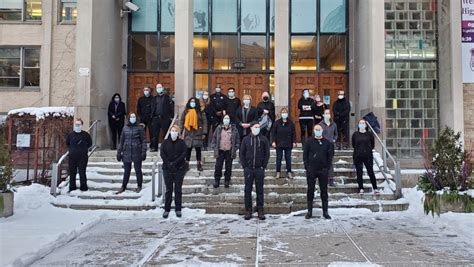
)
(119, 157)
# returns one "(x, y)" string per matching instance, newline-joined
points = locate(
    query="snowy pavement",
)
(42, 235)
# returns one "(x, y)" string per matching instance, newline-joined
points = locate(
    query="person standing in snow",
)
(132, 148)
(78, 143)
(363, 143)
(329, 133)
(116, 115)
(173, 153)
(317, 153)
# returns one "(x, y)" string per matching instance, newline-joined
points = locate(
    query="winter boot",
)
(166, 214)
(331, 181)
(120, 191)
(217, 182)
(248, 214)
(309, 214)
(227, 183)
(325, 211)
(199, 166)
(261, 215)
(138, 189)
(277, 176)
(289, 175)
(178, 214)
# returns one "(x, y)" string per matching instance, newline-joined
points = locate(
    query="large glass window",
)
(19, 67)
(144, 51)
(253, 48)
(68, 11)
(253, 17)
(201, 15)
(332, 52)
(303, 16)
(224, 49)
(333, 16)
(20, 10)
(303, 52)
(145, 19)
(201, 52)
(224, 16)
(167, 52)
(167, 15)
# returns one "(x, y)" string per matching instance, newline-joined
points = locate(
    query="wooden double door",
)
(244, 84)
(138, 81)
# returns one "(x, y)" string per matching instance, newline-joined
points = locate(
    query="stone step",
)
(271, 180)
(296, 172)
(98, 206)
(127, 195)
(117, 179)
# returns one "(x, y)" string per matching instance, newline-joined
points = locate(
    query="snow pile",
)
(42, 112)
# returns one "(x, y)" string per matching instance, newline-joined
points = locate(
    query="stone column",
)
(282, 48)
(183, 73)
(47, 21)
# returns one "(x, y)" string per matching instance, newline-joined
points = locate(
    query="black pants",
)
(76, 164)
(173, 182)
(137, 165)
(306, 126)
(369, 165)
(116, 130)
(159, 124)
(252, 175)
(279, 157)
(149, 125)
(311, 176)
(343, 131)
(224, 156)
(198, 153)
(208, 134)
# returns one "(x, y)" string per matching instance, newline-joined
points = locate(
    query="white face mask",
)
(174, 135)
(341, 97)
(318, 99)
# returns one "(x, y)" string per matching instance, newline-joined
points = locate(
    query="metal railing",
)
(56, 166)
(384, 169)
(158, 166)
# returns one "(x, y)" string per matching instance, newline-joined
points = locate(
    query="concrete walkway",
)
(370, 239)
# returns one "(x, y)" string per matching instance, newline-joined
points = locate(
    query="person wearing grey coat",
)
(132, 148)
(226, 142)
(329, 133)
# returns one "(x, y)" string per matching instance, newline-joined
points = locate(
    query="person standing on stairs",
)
(284, 138)
(266, 107)
(173, 153)
(320, 107)
(233, 104)
(144, 106)
(132, 148)
(254, 156)
(116, 114)
(194, 124)
(317, 153)
(307, 107)
(363, 143)
(218, 106)
(78, 143)
(329, 133)
(206, 108)
(245, 115)
(342, 110)
(162, 112)
(226, 142)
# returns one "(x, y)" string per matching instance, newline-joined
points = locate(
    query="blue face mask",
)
(192, 104)
(305, 94)
(174, 135)
(247, 102)
(133, 120)
(255, 131)
(362, 126)
(318, 133)
(226, 121)
(147, 93)
(77, 128)
(231, 94)
(117, 100)
(284, 116)
(327, 117)
(205, 96)
(159, 90)
(218, 89)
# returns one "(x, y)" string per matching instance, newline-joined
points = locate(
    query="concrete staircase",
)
(281, 195)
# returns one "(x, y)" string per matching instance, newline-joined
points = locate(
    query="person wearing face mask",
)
(317, 155)
(306, 106)
(245, 115)
(342, 110)
(193, 122)
(319, 108)
(284, 137)
(132, 148)
(226, 142)
(266, 107)
(78, 143)
(144, 106)
(363, 143)
(162, 112)
(329, 133)
(116, 114)
(173, 153)
(233, 104)
(254, 155)
(206, 108)
(218, 106)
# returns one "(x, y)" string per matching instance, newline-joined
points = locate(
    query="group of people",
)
(229, 126)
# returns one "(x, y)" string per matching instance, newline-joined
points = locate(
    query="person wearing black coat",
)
(254, 155)
(116, 114)
(144, 106)
(266, 107)
(306, 107)
(78, 143)
(233, 104)
(342, 110)
(132, 148)
(218, 107)
(319, 108)
(317, 155)
(245, 116)
(162, 112)
(173, 153)
(284, 137)
(363, 143)
(206, 108)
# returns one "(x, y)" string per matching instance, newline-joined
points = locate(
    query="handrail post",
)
(384, 156)
(153, 176)
(398, 180)
(54, 178)
(160, 180)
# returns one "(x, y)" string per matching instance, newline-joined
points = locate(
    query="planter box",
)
(6, 204)
(442, 203)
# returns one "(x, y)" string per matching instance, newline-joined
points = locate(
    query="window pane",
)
(146, 18)
(144, 51)
(272, 15)
(303, 16)
(167, 15)
(332, 52)
(224, 16)
(303, 52)
(201, 52)
(9, 67)
(32, 77)
(32, 57)
(201, 15)
(167, 52)
(9, 82)
(69, 12)
(253, 52)
(333, 16)
(33, 10)
(224, 50)
(201, 84)
(10, 9)
(253, 16)
(9, 52)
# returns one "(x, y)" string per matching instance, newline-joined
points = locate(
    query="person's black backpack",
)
(373, 121)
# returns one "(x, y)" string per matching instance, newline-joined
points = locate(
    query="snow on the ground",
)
(42, 112)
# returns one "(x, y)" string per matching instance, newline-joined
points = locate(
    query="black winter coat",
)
(218, 104)
(78, 144)
(144, 108)
(317, 154)
(232, 107)
(284, 133)
(341, 110)
(118, 112)
(254, 152)
(268, 106)
(363, 143)
(132, 146)
(163, 107)
(252, 116)
(307, 108)
(173, 154)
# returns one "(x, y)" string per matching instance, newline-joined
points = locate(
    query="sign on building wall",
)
(467, 25)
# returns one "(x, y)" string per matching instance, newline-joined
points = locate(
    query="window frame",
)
(60, 21)
(22, 70)
(23, 18)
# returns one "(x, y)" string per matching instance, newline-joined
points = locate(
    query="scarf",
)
(191, 120)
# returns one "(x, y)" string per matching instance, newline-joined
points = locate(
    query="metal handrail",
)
(396, 163)
(56, 165)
